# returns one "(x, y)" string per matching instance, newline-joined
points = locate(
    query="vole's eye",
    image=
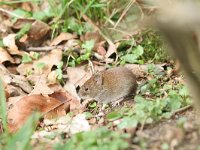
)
(86, 89)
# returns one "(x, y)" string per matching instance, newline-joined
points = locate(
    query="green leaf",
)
(128, 122)
(36, 56)
(22, 13)
(93, 105)
(59, 74)
(88, 45)
(88, 115)
(138, 51)
(21, 140)
(1, 43)
(3, 115)
(40, 65)
(26, 58)
(113, 116)
(60, 65)
(39, 15)
(130, 58)
(184, 91)
(23, 31)
(74, 26)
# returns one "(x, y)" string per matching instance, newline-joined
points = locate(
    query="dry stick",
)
(181, 110)
(97, 29)
(40, 49)
(86, 18)
(10, 13)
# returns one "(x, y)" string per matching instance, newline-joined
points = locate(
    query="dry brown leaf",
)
(25, 107)
(78, 75)
(63, 37)
(100, 48)
(9, 41)
(75, 104)
(50, 59)
(38, 30)
(71, 89)
(4, 56)
(21, 22)
(14, 84)
(28, 6)
(112, 49)
(92, 36)
(41, 86)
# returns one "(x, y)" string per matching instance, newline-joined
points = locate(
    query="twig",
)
(86, 18)
(10, 13)
(46, 48)
(181, 110)
(91, 66)
(124, 12)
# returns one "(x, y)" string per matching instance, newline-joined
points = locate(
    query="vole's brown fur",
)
(109, 86)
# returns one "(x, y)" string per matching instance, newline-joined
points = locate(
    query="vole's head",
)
(91, 88)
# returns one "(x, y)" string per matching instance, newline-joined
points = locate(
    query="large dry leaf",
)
(78, 75)
(75, 105)
(4, 56)
(41, 86)
(9, 41)
(63, 37)
(37, 33)
(49, 60)
(25, 107)
(55, 105)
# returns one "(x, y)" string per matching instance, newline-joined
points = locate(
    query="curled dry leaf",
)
(4, 56)
(25, 107)
(54, 105)
(75, 105)
(9, 41)
(63, 37)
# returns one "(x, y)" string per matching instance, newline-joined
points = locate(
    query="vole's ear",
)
(98, 79)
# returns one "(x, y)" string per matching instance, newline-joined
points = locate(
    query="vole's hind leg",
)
(117, 102)
(122, 99)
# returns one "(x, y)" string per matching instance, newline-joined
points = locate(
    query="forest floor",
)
(48, 52)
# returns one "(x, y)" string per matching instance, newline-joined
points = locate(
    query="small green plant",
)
(59, 74)
(99, 139)
(133, 56)
(26, 58)
(74, 59)
(157, 99)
